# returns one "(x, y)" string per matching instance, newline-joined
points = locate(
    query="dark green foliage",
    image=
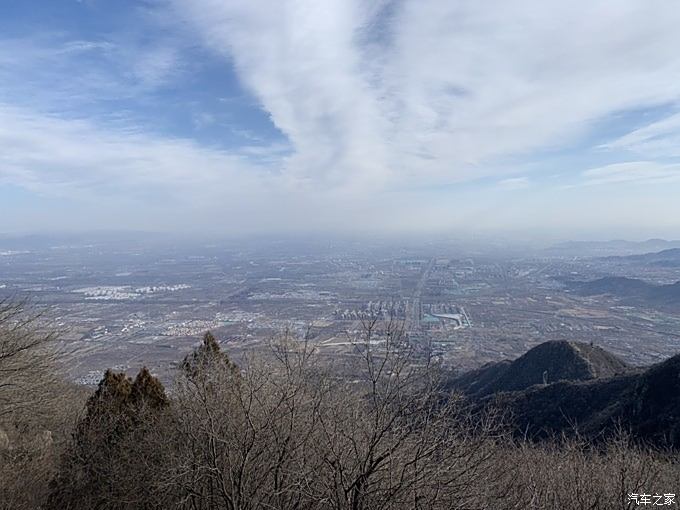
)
(148, 391)
(120, 403)
(205, 358)
(111, 398)
(104, 466)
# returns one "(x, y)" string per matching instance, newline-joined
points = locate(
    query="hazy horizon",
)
(495, 243)
(531, 120)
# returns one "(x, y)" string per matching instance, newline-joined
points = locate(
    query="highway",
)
(414, 314)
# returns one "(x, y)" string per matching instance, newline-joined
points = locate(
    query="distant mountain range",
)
(611, 248)
(558, 387)
(664, 258)
(629, 290)
(104, 237)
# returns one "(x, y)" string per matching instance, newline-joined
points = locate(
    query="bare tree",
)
(396, 439)
(242, 433)
(27, 363)
(285, 431)
(37, 407)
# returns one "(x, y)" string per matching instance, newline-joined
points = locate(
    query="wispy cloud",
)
(514, 183)
(59, 73)
(445, 88)
(641, 172)
(52, 155)
(130, 173)
(344, 108)
(302, 62)
(660, 139)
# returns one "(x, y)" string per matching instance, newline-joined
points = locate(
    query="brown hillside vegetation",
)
(38, 410)
(285, 430)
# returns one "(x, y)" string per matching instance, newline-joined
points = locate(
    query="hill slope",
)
(597, 393)
(548, 362)
(611, 248)
(664, 258)
(630, 289)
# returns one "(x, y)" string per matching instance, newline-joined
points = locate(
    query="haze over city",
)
(524, 117)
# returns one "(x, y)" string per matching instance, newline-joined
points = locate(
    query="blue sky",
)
(533, 117)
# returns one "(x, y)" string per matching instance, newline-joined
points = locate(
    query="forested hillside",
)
(287, 429)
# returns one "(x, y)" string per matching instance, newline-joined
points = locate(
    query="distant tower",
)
(545, 377)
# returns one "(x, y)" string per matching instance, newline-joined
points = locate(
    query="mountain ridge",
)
(643, 402)
(664, 258)
(613, 247)
(629, 289)
(546, 363)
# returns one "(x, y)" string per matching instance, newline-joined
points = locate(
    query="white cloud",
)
(514, 183)
(156, 65)
(55, 72)
(642, 172)
(106, 177)
(446, 89)
(48, 154)
(383, 103)
(660, 139)
(301, 61)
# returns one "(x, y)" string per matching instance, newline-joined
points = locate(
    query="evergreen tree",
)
(207, 358)
(106, 465)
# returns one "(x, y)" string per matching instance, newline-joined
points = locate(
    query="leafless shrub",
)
(574, 474)
(397, 441)
(241, 434)
(37, 407)
(284, 432)
(27, 363)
